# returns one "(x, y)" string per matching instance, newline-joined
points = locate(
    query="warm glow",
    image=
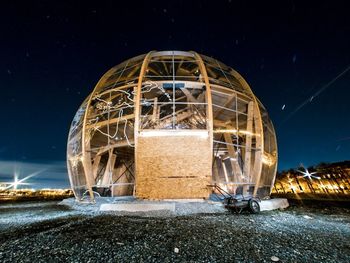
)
(160, 133)
(235, 131)
(268, 159)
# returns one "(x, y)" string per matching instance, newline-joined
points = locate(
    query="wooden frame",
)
(236, 126)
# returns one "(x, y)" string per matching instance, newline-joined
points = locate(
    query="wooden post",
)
(155, 116)
(85, 139)
(228, 101)
(258, 130)
(233, 158)
(88, 174)
(95, 165)
(215, 171)
(120, 176)
(209, 102)
(107, 176)
(137, 109)
(225, 171)
(248, 146)
(259, 145)
(88, 168)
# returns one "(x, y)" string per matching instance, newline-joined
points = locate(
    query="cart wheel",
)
(254, 206)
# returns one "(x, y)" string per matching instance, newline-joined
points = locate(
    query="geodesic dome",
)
(168, 124)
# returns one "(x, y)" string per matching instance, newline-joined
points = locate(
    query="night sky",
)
(294, 55)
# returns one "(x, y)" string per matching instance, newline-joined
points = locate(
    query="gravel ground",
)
(57, 234)
(25, 213)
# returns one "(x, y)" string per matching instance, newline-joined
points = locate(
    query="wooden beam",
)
(87, 166)
(257, 168)
(180, 116)
(227, 91)
(228, 101)
(121, 178)
(85, 140)
(116, 89)
(170, 102)
(137, 96)
(211, 72)
(136, 67)
(137, 110)
(165, 67)
(233, 154)
(216, 170)
(155, 116)
(88, 173)
(203, 70)
(248, 147)
(95, 165)
(248, 142)
(118, 144)
(225, 124)
(153, 71)
(225, 171)
(110, 121)
(189, 96)
(107, 176)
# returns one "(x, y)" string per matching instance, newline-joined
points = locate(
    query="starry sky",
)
(295, 55)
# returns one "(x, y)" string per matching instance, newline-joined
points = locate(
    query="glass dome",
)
(168, 124)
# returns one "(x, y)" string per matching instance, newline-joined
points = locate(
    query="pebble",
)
(307, 217)
(275, 259)
(176, 250)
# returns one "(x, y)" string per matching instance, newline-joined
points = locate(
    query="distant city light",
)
(17, 182)
(308, 174)
(333, 179)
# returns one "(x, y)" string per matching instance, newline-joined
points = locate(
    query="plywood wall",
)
(173, 167)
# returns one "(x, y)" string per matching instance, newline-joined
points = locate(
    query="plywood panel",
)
(173, 167)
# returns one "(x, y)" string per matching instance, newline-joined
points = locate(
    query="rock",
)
(275, 259)
(307, 217)
(176, 250)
